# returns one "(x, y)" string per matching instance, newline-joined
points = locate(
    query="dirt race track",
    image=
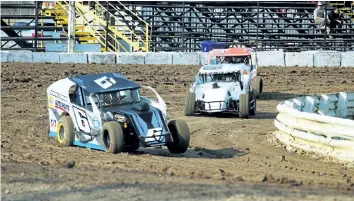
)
(229, 158)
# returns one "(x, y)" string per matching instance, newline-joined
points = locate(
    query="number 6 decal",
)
(105, 82)
(81, 120)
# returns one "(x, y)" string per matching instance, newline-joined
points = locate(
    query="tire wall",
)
(322, 124)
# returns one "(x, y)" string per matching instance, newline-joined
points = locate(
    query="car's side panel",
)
(59, 104)
(160, 104)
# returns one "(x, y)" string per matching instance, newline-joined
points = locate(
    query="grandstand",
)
(177, 26)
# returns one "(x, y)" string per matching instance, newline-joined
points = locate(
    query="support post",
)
(71, 27)
(325, 34)
(257, 25)
(183, 17)
(36, 27)
(107, 24)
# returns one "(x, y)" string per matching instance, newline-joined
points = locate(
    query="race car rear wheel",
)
(253, 103)
(112, 137)
(258, 85)
(244, 106)
(180, 136)
(65, 131)
(189, 107)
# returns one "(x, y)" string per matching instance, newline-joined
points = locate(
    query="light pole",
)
(71, 27)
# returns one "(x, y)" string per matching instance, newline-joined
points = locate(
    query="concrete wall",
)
(271, 58)
(302, 59)
(264, 58)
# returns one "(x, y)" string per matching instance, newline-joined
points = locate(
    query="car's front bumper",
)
(156, 140)
(216, 106)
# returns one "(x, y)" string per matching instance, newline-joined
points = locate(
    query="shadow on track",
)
(196, 152)
(277, 96)
(259, 115)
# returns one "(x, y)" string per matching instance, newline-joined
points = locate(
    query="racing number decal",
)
(153, 132)
(81, 119)
(105, 82)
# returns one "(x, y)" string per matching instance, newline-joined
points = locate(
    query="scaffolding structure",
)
(181, 26)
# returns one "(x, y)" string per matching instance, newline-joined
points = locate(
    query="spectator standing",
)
(320, 18)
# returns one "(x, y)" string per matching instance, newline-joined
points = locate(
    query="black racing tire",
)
(112, 137)
(180, 135)
(253, 97)
(65, 131)
(257, 86)
(189, 107)
(244, 106)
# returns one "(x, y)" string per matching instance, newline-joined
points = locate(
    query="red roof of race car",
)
(231, 52)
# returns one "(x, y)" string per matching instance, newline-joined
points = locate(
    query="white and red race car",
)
(228, 83)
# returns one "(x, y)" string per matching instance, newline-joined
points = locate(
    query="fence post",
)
(71, 27)
(257, 25)
(183, 17)
(36, 27)
(107, 22)
(325, 34)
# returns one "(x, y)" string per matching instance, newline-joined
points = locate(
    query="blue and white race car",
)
(106, 112)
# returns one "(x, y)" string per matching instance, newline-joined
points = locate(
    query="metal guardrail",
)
(323, 124)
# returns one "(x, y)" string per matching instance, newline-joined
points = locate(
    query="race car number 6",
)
(105, 82)
(81, 120)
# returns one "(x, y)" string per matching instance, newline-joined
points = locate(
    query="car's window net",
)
(230, 59)
(228, 77)
(119, 97)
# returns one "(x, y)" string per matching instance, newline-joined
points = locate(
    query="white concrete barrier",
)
(22, 56)
(131, 58)
(203, 56)
(327, 59)
(186, 58)
(263, 58)
(159, 58)
(4, 56)
(45, 57)
(271, 58)
(301, 59)
(322, 124)
(102, 58)
(78, 58)
(347, 59)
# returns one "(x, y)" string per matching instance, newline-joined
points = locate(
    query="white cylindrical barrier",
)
(321, 124)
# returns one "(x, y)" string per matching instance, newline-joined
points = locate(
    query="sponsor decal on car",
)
(51, 102)
(58, 95)
(96, 124)
(212, 68)
(61, 105)
(53, 123)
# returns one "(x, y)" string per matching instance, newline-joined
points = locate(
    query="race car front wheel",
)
(189, 107)
(112, 137)
(258, 85)
(253, 103)
(180, 136)
(244, 106)
(65, 131)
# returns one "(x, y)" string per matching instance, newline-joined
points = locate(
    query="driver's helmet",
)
(238, 60)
